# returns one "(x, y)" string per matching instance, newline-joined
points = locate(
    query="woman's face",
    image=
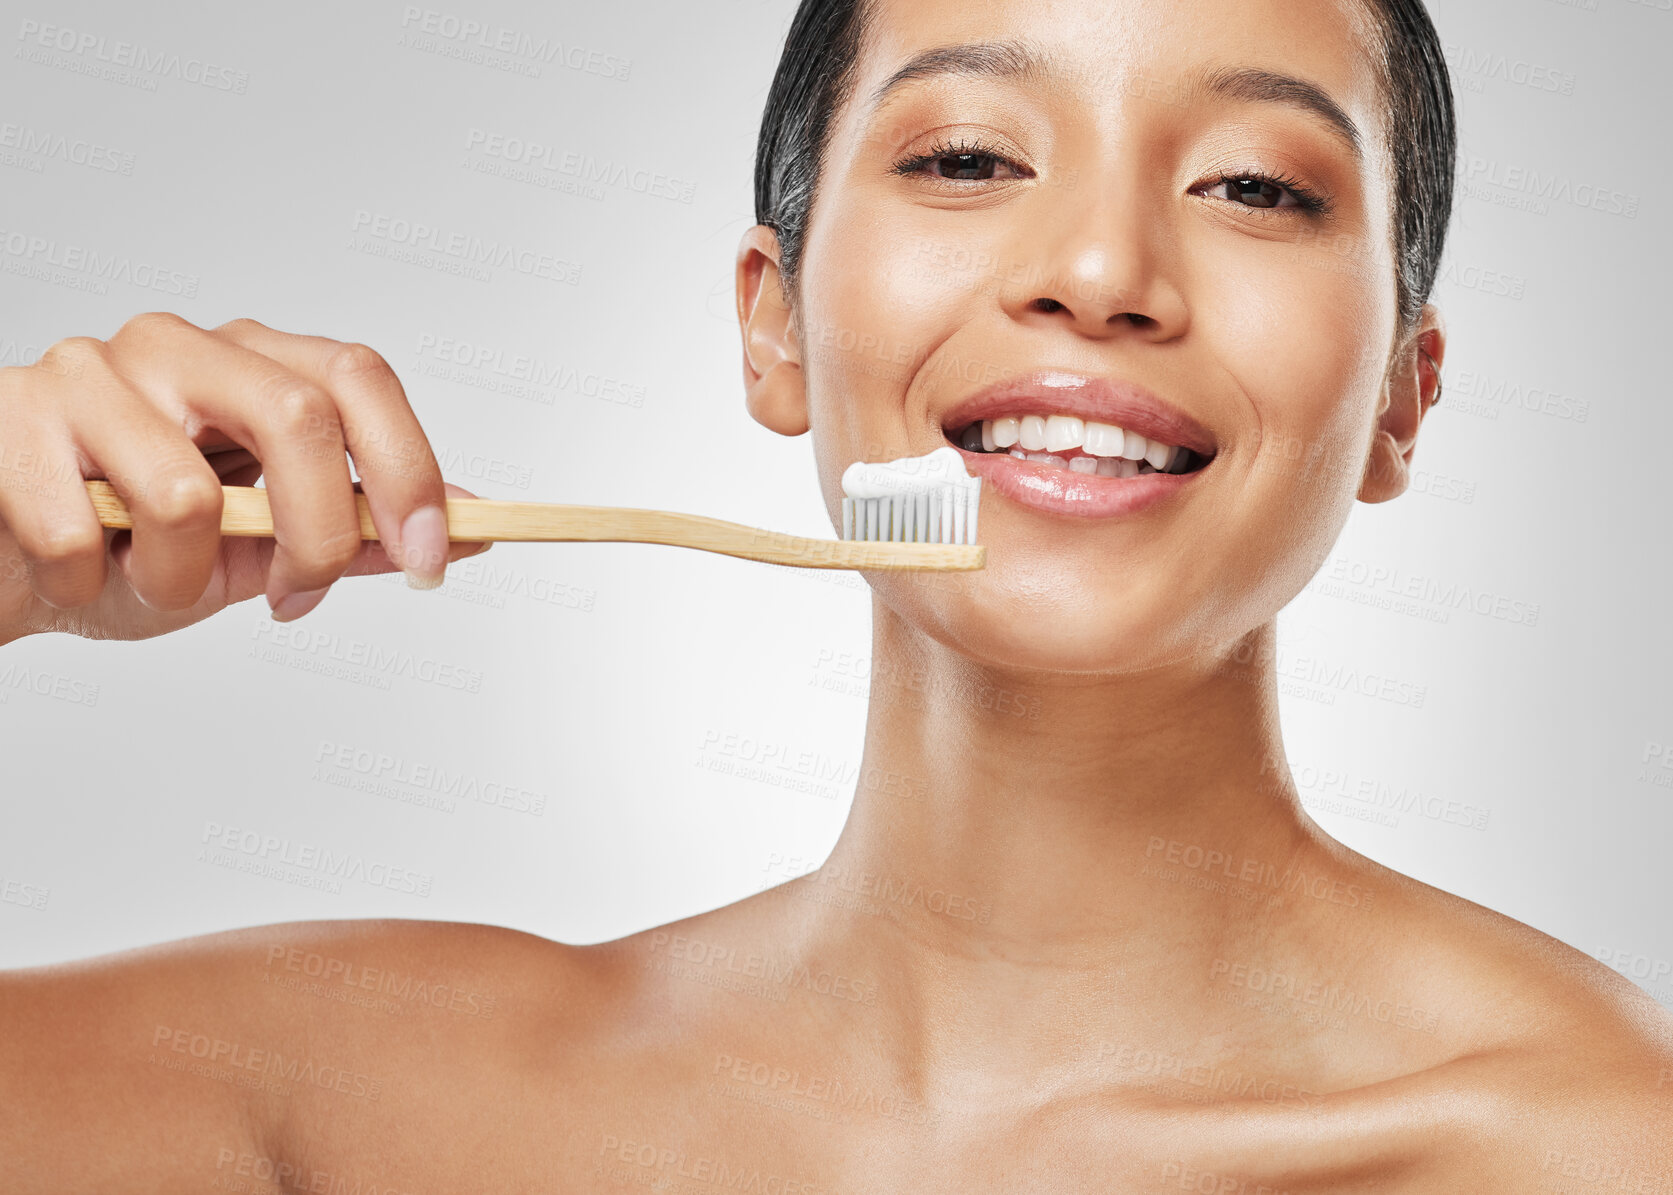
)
(1089, 234)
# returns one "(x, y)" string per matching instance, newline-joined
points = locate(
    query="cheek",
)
(876, 306)
(886, 293)
(1301, 331)
(1304, 345)
(1299, 365)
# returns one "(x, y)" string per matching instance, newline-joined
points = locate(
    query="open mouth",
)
(1076, 445)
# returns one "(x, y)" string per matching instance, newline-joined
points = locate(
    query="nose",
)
(1097, 265)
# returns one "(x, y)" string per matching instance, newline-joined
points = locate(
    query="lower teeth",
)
(1108, 466)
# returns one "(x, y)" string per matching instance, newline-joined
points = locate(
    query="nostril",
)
(1048, 305)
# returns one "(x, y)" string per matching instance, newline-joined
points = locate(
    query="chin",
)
(1039, 614)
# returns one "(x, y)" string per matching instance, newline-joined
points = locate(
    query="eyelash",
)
(1307, 200)
(947, 149)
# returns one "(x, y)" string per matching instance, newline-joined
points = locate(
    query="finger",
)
(236, 467)
(43, 498)
(403, 482)
(289, 423)
(375, 560)
(246, 560)
(169, 487)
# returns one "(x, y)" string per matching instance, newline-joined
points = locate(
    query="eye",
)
(963, 161)
(1252, 189)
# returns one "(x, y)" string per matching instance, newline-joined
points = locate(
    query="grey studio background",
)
(582, 741)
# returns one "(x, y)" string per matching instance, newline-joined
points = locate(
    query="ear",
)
(773, 381)
(1409, 390)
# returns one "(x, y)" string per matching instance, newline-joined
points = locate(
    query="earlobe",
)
(1409, 391)
(773, 383)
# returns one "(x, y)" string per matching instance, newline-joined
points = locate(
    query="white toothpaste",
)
(908, 475)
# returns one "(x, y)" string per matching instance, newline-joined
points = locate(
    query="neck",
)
(1047, 828)
(1054, 799)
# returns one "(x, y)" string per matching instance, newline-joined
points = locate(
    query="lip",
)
(1125, 404)
(1060, 491)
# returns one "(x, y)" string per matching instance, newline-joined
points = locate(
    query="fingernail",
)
(294, 605)
(424, 547)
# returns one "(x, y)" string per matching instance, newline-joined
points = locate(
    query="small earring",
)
(1436, 370)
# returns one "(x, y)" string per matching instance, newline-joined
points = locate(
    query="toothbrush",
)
(921, 519)
(915, 499)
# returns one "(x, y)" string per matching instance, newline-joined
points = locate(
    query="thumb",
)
(373, 559)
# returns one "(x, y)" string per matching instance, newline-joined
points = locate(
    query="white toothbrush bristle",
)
(931, 499)
(945, 516)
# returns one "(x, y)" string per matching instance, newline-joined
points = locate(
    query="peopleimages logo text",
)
(272, 850)
(585, 167)
(487, 36)
(107, 267)
(155, 63)
(416, 234)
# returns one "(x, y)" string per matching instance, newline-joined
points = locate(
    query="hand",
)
(169, 412)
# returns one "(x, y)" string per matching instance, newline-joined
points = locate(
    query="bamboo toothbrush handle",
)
(245, 512)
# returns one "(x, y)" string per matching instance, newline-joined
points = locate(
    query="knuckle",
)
(297, 407)
(152, 323)
(72, 356)
(324, 561)
(242, 325)
(184, 497)
(349, 362)
(62, 541)
(339, 550)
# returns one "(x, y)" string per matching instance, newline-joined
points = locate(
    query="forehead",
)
(1103, 52)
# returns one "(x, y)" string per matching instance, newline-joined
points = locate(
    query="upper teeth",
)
(1060, 433)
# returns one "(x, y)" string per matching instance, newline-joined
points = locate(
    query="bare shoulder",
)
(286, 974)
(1556, 1070)
(354, 983)
(426, 1001)
(231, 1045)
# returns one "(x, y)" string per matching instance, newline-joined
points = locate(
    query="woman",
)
(1078, 932)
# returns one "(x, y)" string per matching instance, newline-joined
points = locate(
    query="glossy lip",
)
(1060, 491)
(1125, 404)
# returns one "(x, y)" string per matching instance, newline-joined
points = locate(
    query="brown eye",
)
(1262, 191)
(965, 162)
(965, 166)
(1255, 192)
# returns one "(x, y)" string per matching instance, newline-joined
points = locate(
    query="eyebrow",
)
(1000, 60)
(1018, 60)
(1255, 85)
